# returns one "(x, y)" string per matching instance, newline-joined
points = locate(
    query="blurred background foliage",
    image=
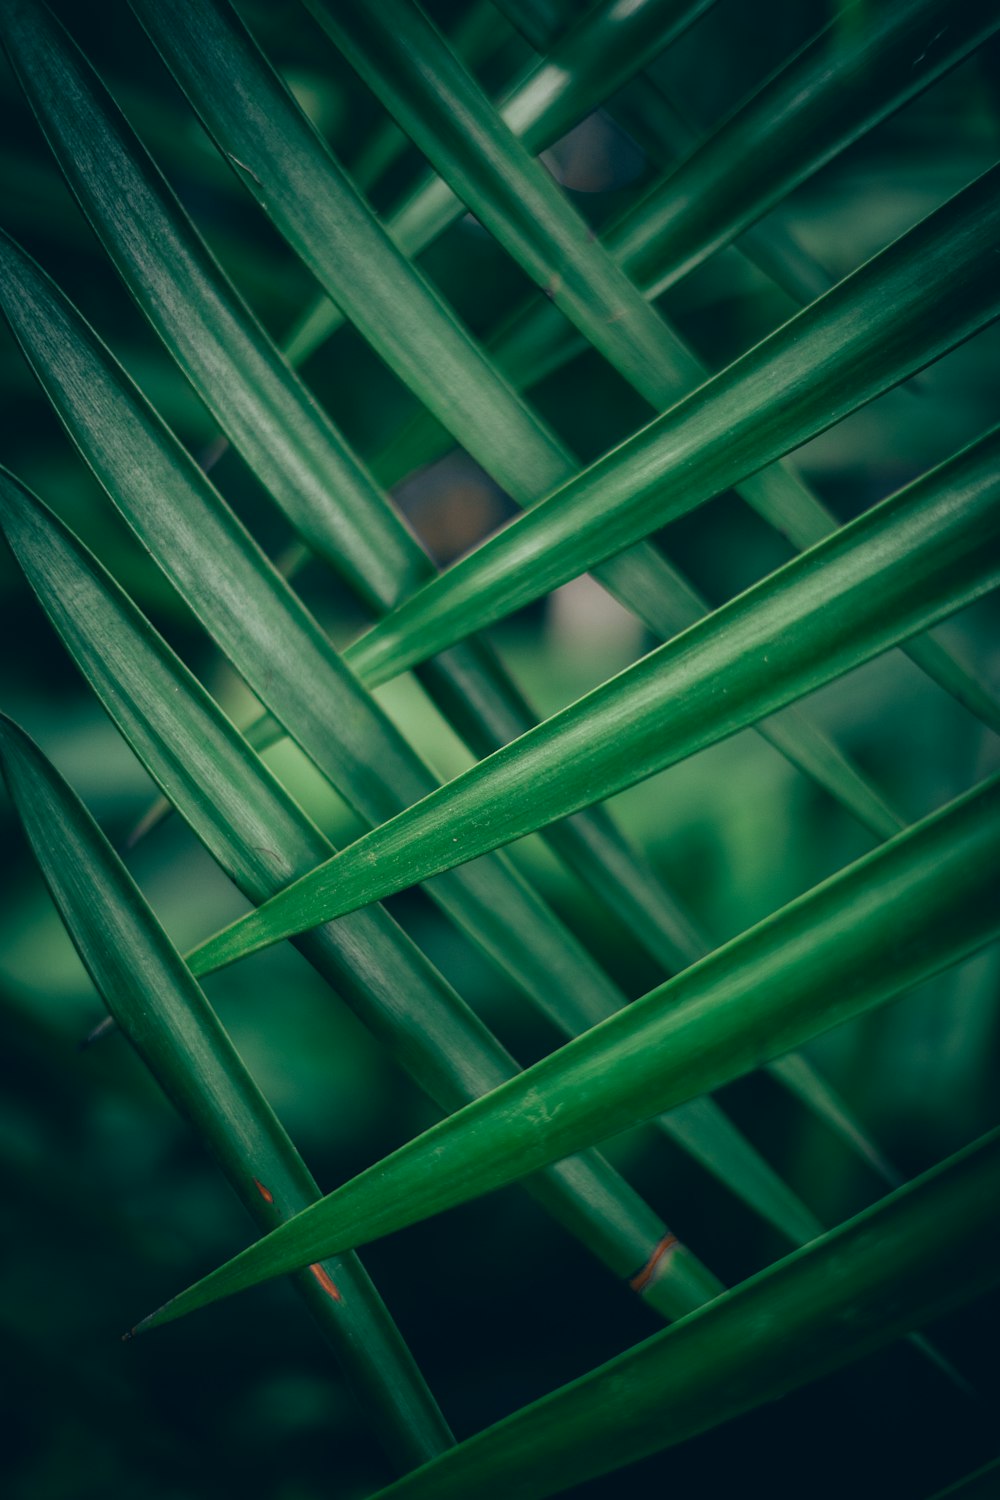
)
(108, 1204)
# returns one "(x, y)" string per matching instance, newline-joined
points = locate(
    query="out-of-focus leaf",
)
(982, 1485)
(868, 62)
(151, 994)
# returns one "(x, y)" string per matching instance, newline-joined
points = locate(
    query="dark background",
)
(108, 1203)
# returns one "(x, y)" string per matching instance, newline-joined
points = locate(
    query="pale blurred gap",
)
(591, 629)
(452, 505)
(595, 157)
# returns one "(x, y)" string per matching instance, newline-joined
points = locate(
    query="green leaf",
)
(923, 901)
(540, 22)
(281, 432)
(915, 1256)
(262, 839)
(608, 45)
(162, 1011)
(666, 136)
(284, 163)
(474, 38)
(755, 843)
(603, 50)
(905, 564)
(847, 80)
(258, 401)
(406, 62)
(840, 86)
(931, 289)
(283, 655)
(264, 630)
(802, 1080)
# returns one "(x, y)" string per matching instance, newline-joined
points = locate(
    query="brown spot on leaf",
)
(642, 1278)
(326, 1282)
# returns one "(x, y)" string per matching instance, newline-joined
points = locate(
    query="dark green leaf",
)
(923, 901)
(927, 1249)
(162, 1011)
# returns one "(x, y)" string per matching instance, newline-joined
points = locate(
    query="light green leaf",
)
(902, 566)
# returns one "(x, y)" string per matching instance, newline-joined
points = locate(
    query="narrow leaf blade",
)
(923, 295)
(261, 838)
(923, 901)
(902, 566)
(161, 1009)
(907, 1260)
